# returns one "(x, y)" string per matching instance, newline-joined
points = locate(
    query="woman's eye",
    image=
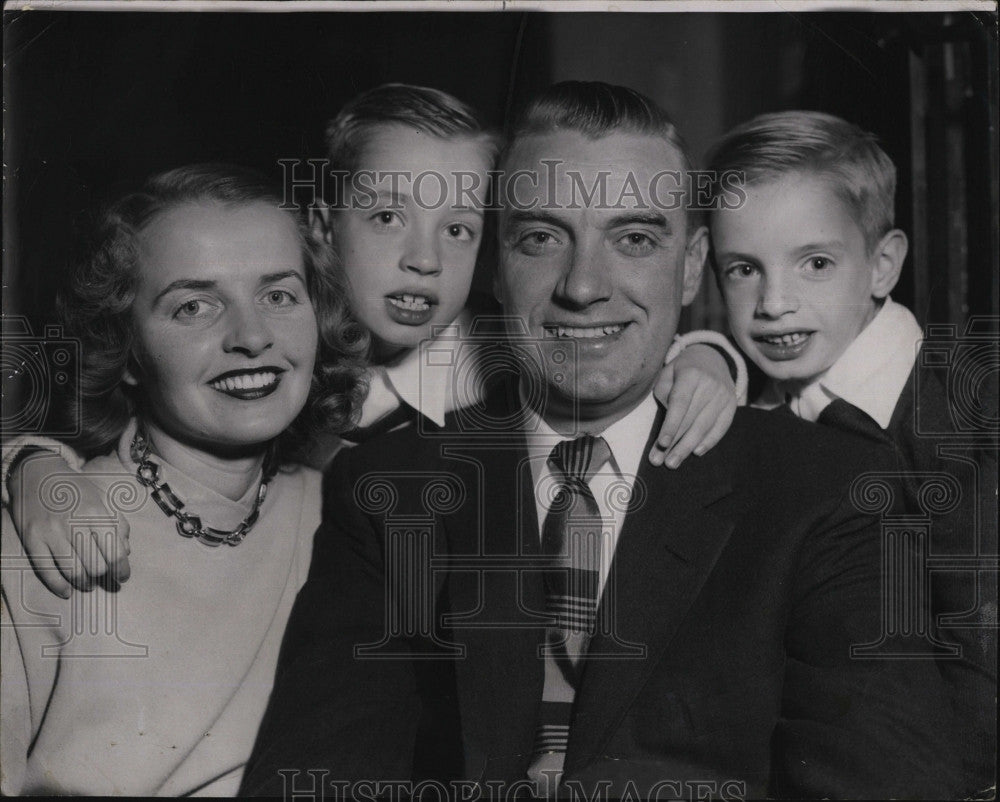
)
(819, 263)
(281, 298)
(192, 309)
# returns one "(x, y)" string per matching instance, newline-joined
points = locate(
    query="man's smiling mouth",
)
(584, 332)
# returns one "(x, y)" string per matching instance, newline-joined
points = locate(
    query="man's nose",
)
(587, 278)
(421, 256)
(776, 297)
(248, 332)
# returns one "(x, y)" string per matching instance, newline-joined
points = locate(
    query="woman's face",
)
(225, 333)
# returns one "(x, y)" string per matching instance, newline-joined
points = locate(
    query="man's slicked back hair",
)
(596, 110)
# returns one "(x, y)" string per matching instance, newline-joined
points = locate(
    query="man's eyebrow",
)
(528, 216)
(640, 218)
(270, 278)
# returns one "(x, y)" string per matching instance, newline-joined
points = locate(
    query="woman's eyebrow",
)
(203, 284)
(184, 284)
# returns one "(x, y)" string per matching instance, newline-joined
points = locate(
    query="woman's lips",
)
(247, 385)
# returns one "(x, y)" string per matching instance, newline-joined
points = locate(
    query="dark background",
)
(95, 101)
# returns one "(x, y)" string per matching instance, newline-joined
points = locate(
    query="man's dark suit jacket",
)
(928, 434)
(740, 583)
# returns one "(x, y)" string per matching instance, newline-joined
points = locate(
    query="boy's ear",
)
(321, 222)
(694, 263)
(889, 256)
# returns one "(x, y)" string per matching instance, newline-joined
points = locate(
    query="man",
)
(458, 624)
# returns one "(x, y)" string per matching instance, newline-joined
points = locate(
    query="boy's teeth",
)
(787, 339)
(246, 381)
(587, 333)
(413, 303)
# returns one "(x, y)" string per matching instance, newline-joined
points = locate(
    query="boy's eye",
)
(461, 232)
(740, 270)
(636, 243)
(386, 218)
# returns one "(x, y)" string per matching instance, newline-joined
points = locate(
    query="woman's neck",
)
(229, 476)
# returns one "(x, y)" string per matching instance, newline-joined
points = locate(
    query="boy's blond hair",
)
(429, 110)
(772, 145)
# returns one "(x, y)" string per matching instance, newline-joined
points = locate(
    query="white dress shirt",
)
(870, 374)
(612, 485)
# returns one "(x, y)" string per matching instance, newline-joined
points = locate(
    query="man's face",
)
(590, 256)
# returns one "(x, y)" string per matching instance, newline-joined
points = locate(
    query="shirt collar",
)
(625, 437)
(423, 377)
(870, 374)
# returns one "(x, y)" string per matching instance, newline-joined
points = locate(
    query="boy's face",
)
(409, 232)
(797, 277)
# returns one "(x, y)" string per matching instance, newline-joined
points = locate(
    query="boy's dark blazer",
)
(743, 579)
(933, 431)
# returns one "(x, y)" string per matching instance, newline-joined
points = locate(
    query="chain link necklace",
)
(188, 524)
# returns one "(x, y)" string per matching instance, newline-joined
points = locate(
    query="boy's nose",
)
(248, 333)
(421, 256)
(775, 299)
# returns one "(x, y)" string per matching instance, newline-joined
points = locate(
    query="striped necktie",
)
(571, 539)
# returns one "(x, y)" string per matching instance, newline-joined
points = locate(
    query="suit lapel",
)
(500, 677)
(670, 541)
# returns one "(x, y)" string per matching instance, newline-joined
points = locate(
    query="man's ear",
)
(321, 222)
(694, 263)
(889, 256)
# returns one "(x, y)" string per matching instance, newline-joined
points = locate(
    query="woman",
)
(214, 340)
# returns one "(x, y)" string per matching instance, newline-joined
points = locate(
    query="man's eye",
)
(637, 243)
(819, 263)
(536, 242)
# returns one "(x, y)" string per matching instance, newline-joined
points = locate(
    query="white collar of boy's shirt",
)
(870, 374)
(626, 439)
(421, 378)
